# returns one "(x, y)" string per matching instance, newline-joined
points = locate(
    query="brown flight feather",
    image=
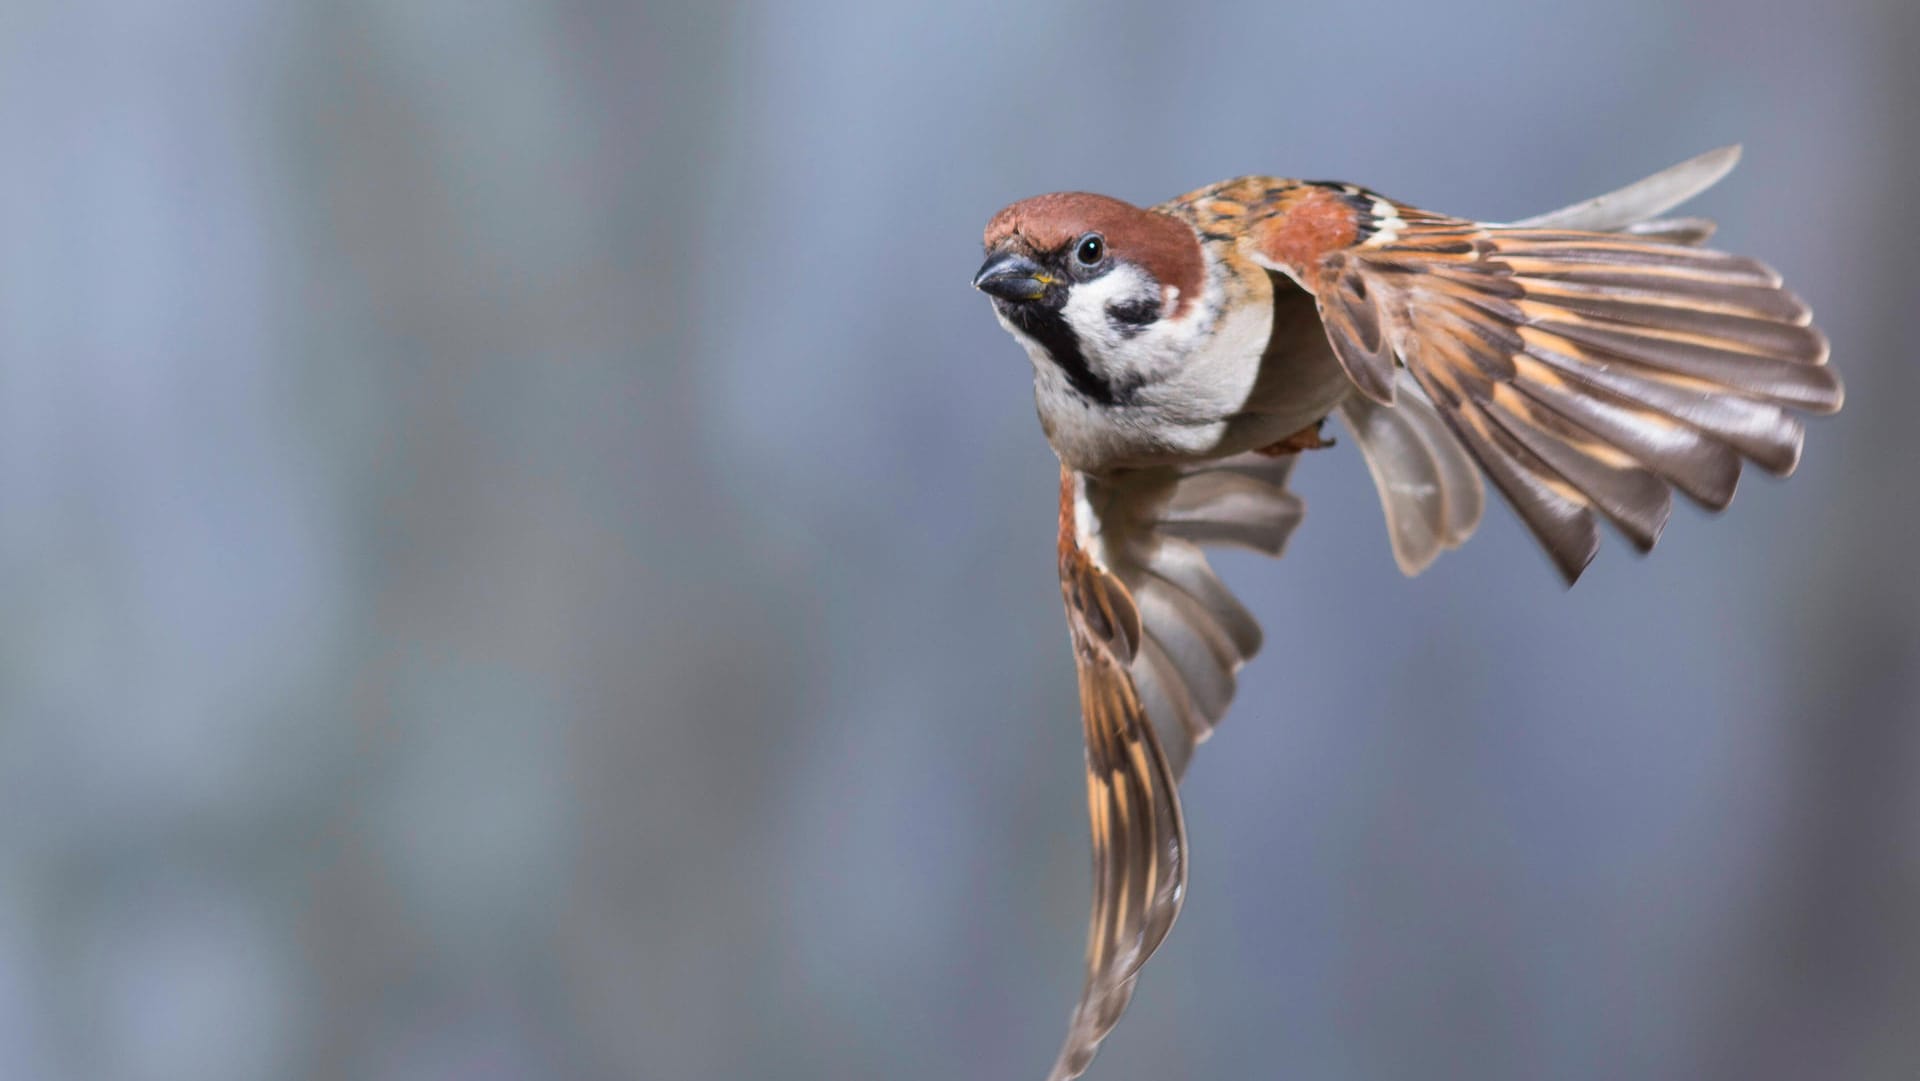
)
(1586, 372)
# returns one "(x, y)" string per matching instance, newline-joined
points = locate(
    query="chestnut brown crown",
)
(1162, 245)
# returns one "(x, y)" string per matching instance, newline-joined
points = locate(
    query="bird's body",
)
(1586, 361)
(1194, 383)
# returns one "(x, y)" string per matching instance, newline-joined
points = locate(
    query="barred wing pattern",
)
(1584, 371)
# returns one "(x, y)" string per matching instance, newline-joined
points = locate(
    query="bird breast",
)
(1245, 368)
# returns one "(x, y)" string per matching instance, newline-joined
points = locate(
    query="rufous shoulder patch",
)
(1305, 225)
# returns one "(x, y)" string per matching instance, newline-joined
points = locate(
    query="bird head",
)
(1085, 280)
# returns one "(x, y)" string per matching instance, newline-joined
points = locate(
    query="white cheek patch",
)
(1087, 302)
(1124, 345)
(1126, 353)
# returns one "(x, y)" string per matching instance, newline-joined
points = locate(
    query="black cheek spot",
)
(1133, 316)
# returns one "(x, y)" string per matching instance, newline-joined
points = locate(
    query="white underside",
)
(1199, 395)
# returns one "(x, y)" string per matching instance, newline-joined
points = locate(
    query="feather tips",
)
(1429, 490)
(1631, 207)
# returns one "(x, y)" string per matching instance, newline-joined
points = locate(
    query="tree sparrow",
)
(1587, 360)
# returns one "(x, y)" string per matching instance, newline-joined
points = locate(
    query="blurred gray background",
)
(523, 558)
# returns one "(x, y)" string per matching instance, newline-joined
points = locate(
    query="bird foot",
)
(1308, 438)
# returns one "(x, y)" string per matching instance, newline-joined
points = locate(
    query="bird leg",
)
(1308, 438)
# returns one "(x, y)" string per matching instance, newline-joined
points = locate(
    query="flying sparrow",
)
(1588, 361)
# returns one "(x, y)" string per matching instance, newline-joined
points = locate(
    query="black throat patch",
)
(1047, 325)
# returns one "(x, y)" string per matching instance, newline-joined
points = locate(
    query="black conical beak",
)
(1012, 276)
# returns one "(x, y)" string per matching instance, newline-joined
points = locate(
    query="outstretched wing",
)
(1156, 640)
(1139, 841)
(1585, 371)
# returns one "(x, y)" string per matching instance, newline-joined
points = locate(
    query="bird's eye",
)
(1091, 250)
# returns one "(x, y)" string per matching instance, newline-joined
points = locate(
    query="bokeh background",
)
(523, 558)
